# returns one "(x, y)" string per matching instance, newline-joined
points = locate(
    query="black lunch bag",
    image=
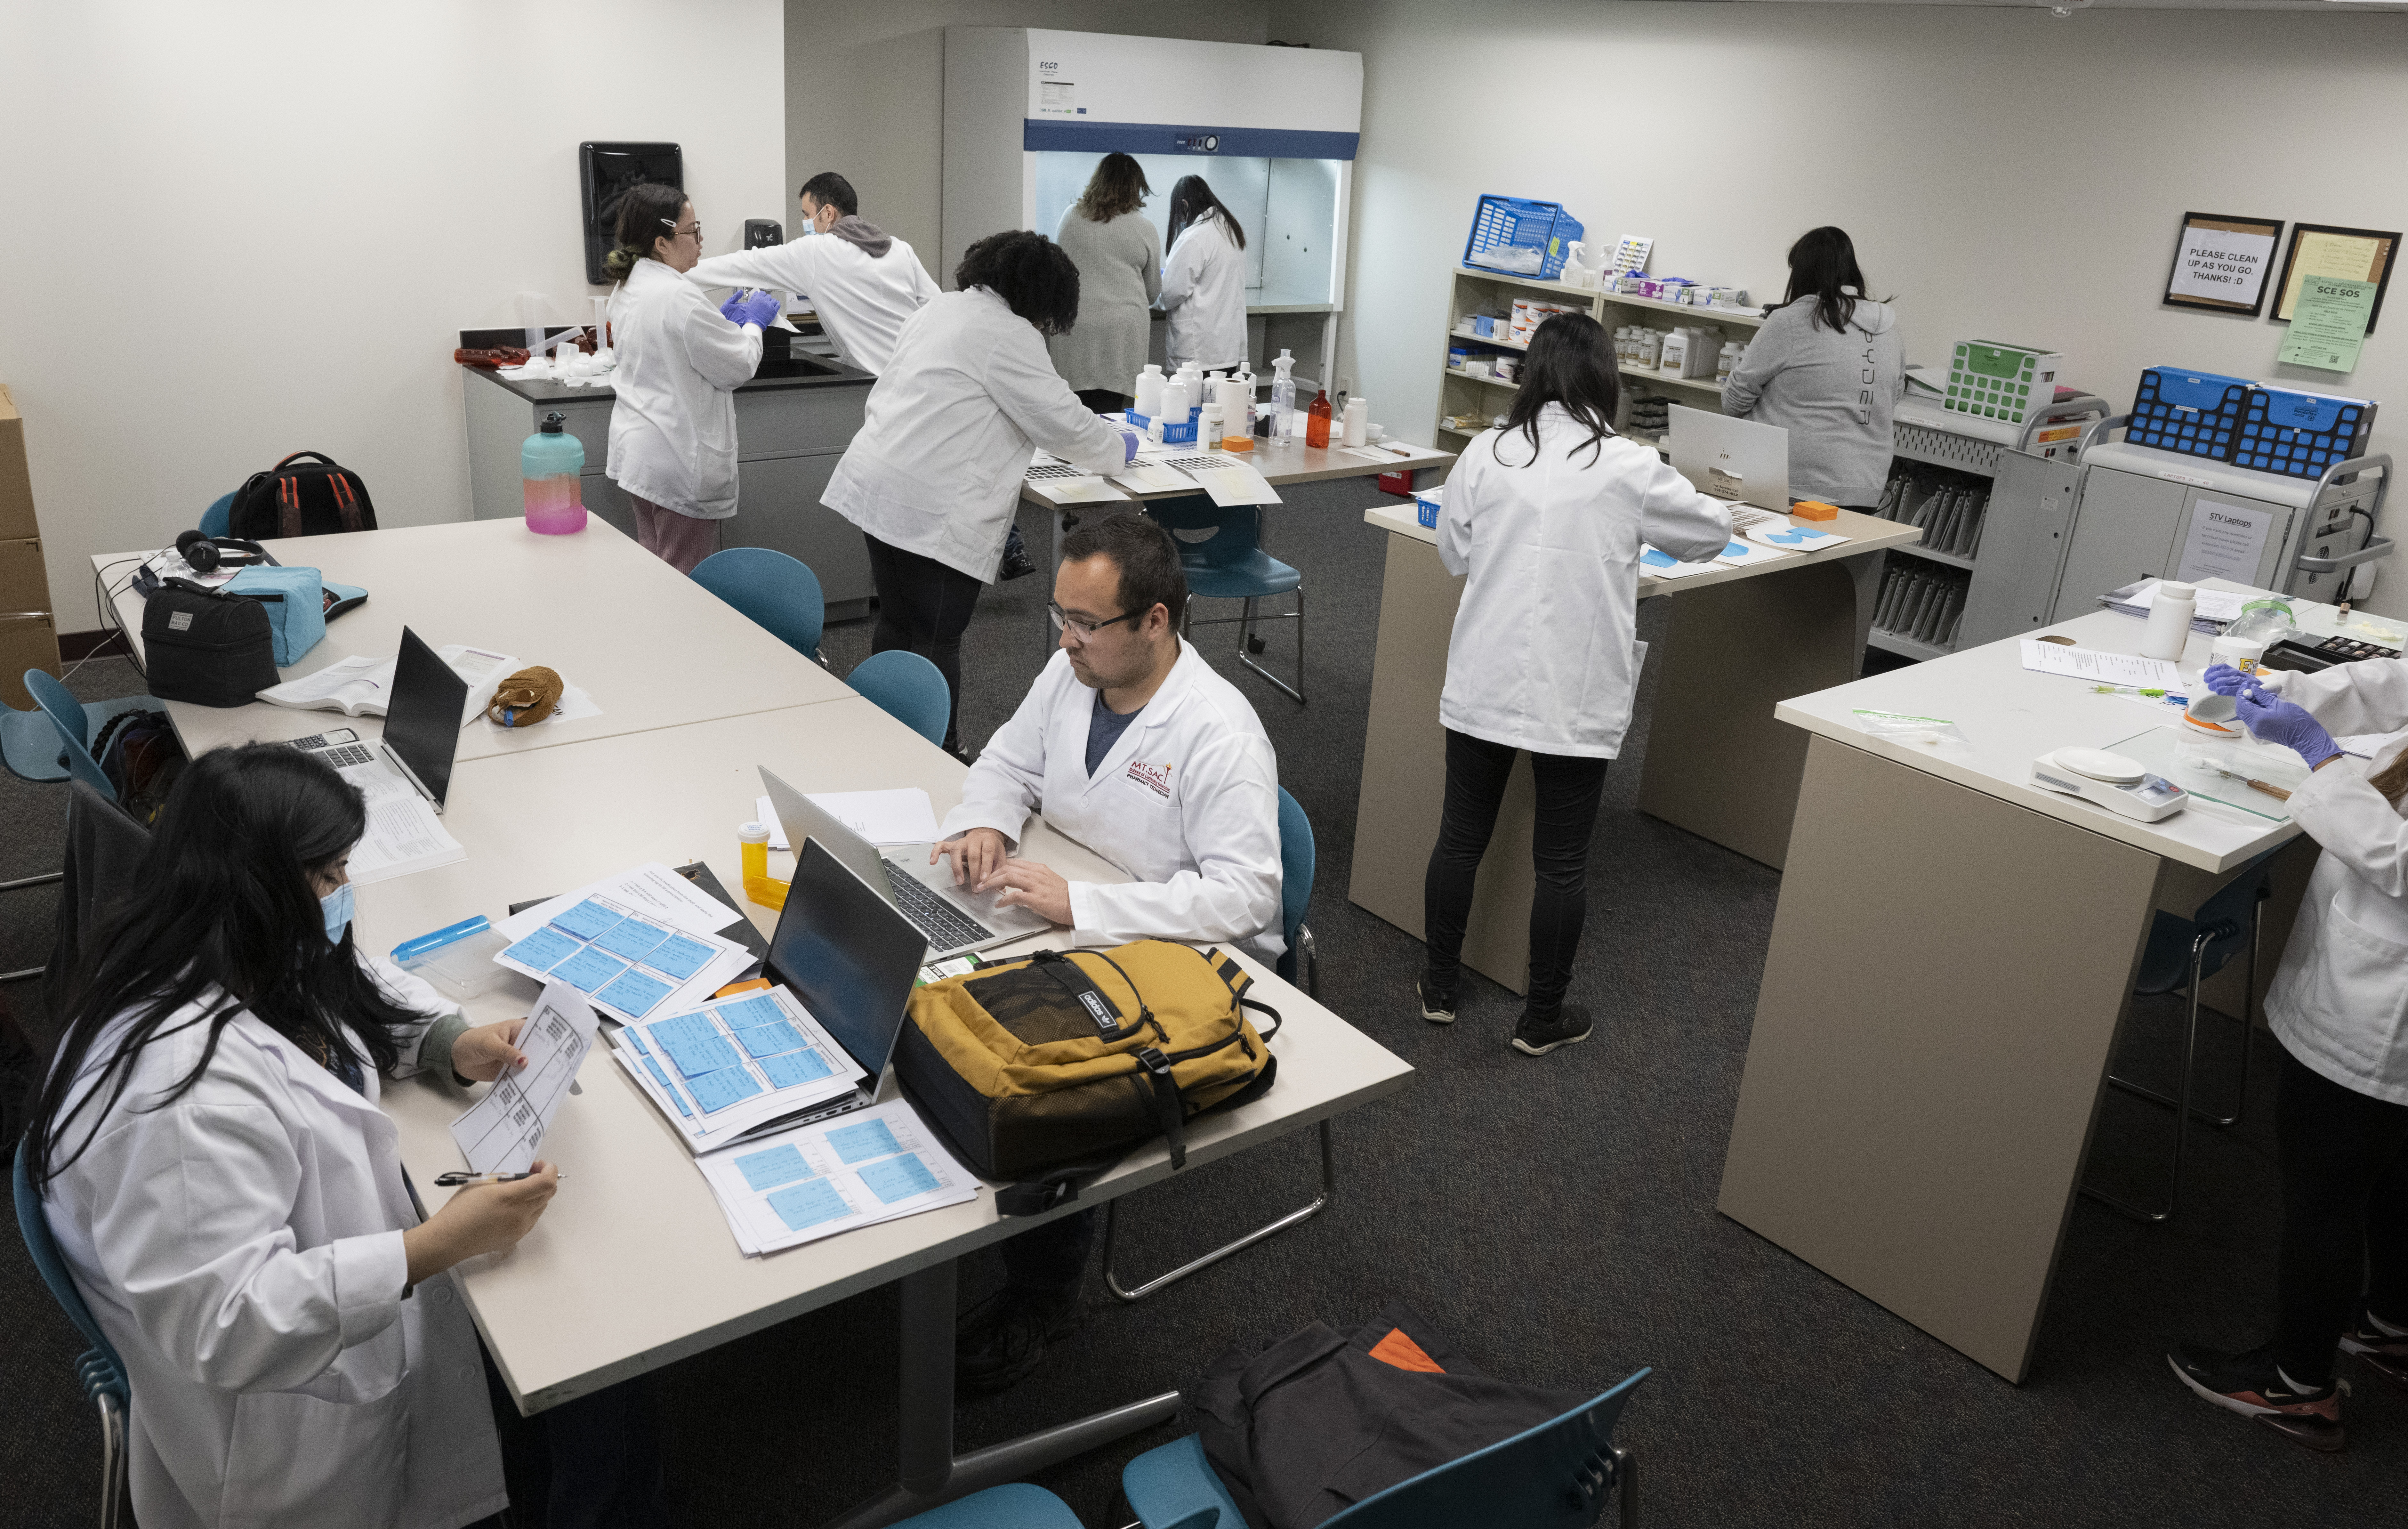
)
(206, 646)
(298, 498)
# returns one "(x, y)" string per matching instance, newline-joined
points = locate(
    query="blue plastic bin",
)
(1182, 434)
(2197, 413)
(1521, 237)
(1427, 505)
(2300, 435)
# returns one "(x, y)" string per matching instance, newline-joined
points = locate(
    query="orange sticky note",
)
(1404, 1353)
(749, 985)
(1814, 510)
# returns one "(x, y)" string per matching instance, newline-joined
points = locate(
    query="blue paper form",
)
(808, 1205)
(589, 970)
(637, 1036)
(794, 1067)
(679, 956)
(897, 1178)
(636, 993)
(630, 937)
(544, 949)
(692, 1028)
(711, 1054)
(715, 1091)
(588, 920)
(660, 1076)
(778, 1165)
(768, 1040)
(859, 1144)
(746, 1013)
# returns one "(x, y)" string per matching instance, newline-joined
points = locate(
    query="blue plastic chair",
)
(29, 744)
(907, 687)
(218, 519)
(71, 727)
(99, 1369)
(1557, 1475)
(2189, 951)
(1018, 1506)
(780, 594)
(1230, 564)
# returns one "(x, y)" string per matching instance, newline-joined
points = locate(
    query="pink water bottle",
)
(550, 461)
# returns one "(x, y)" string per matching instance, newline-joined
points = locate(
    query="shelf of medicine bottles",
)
(1934, 555)
(1487, 339)
(1587, 294)
(1709, 315)
(1640, 374)
(1906, 647)
(1474, 377)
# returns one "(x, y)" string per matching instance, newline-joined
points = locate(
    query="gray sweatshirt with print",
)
(1833, 393)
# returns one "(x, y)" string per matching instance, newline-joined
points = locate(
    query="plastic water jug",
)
(550, 461)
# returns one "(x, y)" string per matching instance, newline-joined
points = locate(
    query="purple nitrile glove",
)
(2270, 718)
(727, 309)
(759, 310)
(2225, 680)
(1129, 438)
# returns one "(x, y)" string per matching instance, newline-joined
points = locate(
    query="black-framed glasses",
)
(1083, 628)
(676, 232)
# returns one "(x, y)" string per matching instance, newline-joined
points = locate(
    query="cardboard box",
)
(16, 482)
(25, 642)
(25, 583)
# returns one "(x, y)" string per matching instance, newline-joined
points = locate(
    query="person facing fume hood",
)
(673, 422)
(1828, 368)
(862, 281)
(1204, 279)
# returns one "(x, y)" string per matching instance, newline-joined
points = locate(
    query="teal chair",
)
(29, 743)
(780, 594)
(1557, 1475)
(1295, 893)
(1017, 1506)
(1230, 563)
(99, 1369)
(72, 728)
(218, 519)
(907, 687)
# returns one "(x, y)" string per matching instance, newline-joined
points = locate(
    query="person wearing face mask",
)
(229, 1198)
(673, 419)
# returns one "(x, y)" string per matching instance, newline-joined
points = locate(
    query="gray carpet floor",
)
(1555, 1214)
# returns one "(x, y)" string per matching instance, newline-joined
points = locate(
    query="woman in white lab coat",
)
(2338, 1009)
(673, 419)
(230, 1199)
(1547, 517)
(934, 474)
(1204, 279)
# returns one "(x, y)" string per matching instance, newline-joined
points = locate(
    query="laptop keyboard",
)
(947, 927)
(344, 756)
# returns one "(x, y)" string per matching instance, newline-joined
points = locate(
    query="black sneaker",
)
(2252, 1385)
(1537, 1035)
(1002, 1339)
(2384, 1353)
(1017, 564)
(1437, 1007)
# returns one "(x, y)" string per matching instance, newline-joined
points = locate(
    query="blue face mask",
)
(336, 905)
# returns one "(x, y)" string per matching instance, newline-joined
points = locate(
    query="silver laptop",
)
(953, 918)
(1757, 456)
(421, 732)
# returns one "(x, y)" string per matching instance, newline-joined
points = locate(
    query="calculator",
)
(1988, 381)
(2304, 657)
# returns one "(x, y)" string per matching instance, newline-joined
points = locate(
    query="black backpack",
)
(296, 498)
(205, 646)
(139, 753)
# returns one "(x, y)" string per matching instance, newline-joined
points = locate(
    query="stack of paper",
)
(732, 1067)
(637, 943)
(902, 815)
(814, 1181)
(2214, 610)
(502, 1132)
(403, 832)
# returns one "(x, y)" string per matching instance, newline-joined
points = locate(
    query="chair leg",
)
(113, 1464)
(32, 881)
(1293, 692)
(2182, 1105)
(1294, 1218)
(2248, 1026)
(1626, 1474)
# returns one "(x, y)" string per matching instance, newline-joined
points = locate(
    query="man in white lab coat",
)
(1138, 750)
(863, 281)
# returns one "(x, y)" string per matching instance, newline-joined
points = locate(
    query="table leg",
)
(931, 1473)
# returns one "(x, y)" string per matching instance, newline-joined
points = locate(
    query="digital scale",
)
(2110, 780)
(2004, 382)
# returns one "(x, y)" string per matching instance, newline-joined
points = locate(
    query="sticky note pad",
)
(768, 1040)
(637, 1036)
(898, 1178)
(543, 950)
(778, 1165)
(588, 970)
(858, 1144)
(795, 1067)
(685, 1027)
(661, 1076)
(679, 956)
(630, 937)
(693, 1059)
(635, 993)
(715, 1091)
(588, 920)
(745, 1013)
(808, 1205)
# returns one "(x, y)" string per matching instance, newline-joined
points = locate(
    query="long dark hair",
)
(647, 212)
(1117, 186)
(1822, 261)
(1029, 273)
(1191, 199)
(1570, 362)
(223, 913)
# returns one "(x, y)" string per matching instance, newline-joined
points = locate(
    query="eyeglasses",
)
(675, 231)
(1083, 629)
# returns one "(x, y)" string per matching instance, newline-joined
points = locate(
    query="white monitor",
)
(1757, 454)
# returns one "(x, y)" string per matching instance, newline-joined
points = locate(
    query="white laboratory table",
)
(1950, 962)
(652, 647)
(633, 1266)
(1718, 764)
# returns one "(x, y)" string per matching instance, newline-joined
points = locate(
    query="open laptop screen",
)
(422, 722)
(848, 955)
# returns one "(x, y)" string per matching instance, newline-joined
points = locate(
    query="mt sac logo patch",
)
(1155, 776)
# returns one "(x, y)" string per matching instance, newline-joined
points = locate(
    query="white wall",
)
(243, 229)
(2005, 174)
(864, 89)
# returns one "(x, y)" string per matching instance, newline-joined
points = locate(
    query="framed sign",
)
(2221, 263)
(2350, 254)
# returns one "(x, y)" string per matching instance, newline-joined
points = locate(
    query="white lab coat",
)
(1186, 802)
(1544, 656)
(944, 448)
(862, 303)
(1204, 292)
(673, 422)
(241, 1249)
(2340, 1001)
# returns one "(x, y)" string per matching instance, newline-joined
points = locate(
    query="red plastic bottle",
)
(1316, 422)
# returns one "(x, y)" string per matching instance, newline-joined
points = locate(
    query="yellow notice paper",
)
(2348, 257)
(2328, 324)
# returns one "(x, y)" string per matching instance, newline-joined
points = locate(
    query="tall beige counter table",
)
(1718, 765)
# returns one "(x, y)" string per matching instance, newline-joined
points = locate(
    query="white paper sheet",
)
(2100, 668)
(1747, 554)
(2209, 604)
(575, 702)
(1086, 489)
(1780, 534)
(652, 889)
(1654, 563)
(1154, 478)
(900, 816)
(501, 1133)
(798, 1186)
(727, 1067)
(1234, 486)
(403, 834)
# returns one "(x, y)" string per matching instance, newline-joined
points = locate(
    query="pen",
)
(458, 1180)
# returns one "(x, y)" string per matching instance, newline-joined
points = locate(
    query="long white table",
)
(652, 647)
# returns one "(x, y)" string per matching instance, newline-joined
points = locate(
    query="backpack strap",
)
(288, 503)
(298, 456)
(1058, 1186)
(1169, 1105)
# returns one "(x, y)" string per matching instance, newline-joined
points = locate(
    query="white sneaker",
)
(1436, 1013)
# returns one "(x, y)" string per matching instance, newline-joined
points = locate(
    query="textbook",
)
(360, 686)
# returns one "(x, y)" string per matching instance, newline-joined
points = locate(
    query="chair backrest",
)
(908, 688)
(44, 1247)
(67, 714)
(1237, 531)
(2165, 962)
(780, 594)
(1295, 865)
(218, 519)
(1549, 1478)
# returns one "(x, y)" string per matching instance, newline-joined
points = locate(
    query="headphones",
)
(207, 554)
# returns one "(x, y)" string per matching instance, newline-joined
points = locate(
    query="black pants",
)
(1050, 1258)
(1569, 788)
(597, 1459)
(2344, 1215)
(1103, 400)
(924, 606)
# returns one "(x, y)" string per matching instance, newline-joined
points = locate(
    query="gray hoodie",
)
(1833, 393)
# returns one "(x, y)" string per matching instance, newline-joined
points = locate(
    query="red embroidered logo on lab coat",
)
(1156, 777)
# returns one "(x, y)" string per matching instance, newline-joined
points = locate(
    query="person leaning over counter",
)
(1546, 516)
(1204, 279)
(862, 281)
(673, 416)
(1827, 366)
(2340, 1106)
(1119, 256)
